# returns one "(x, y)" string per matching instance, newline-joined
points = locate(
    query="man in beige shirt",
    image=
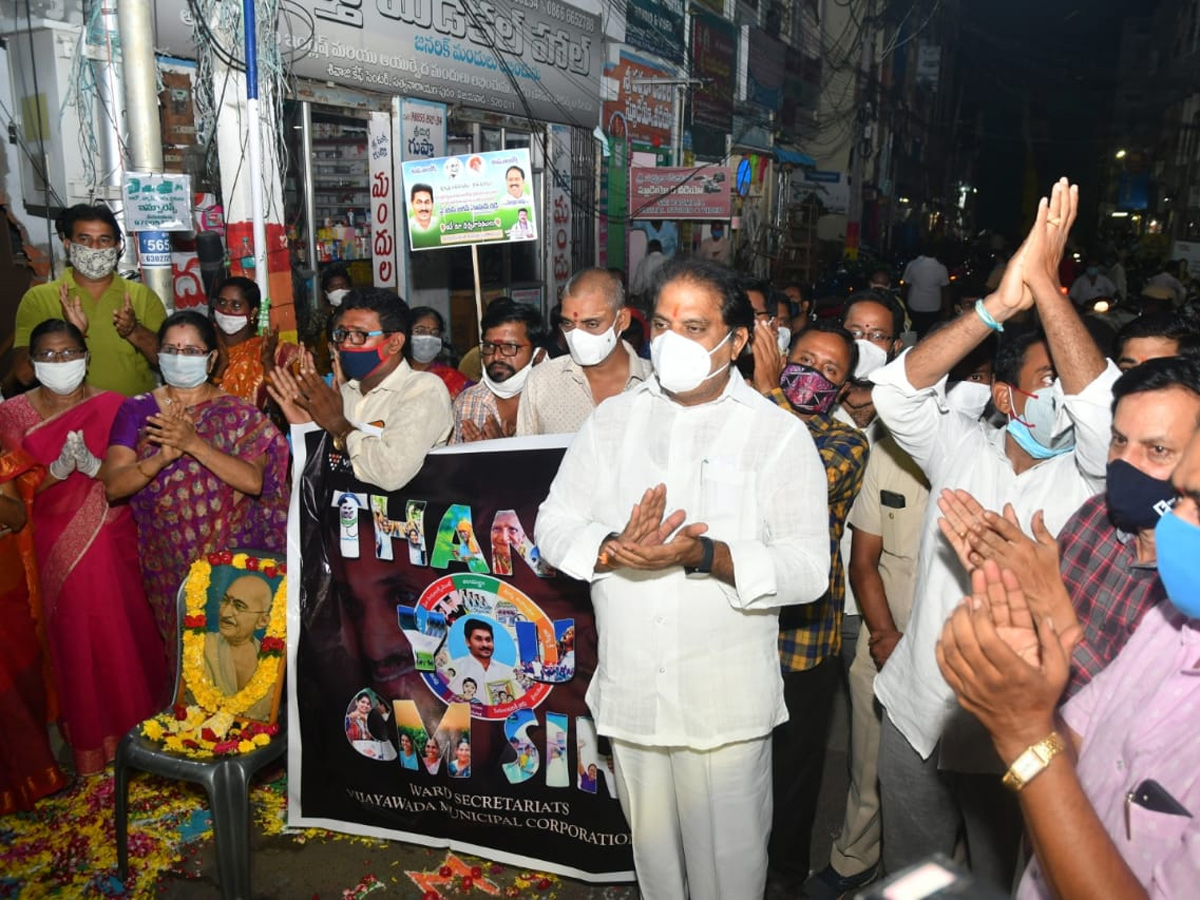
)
(562, 392)
(386, 417)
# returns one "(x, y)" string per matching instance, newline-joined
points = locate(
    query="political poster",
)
(475, 198)
(699, 192)
(438, 666)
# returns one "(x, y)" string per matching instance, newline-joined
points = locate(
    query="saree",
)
(28, 771)
(109, 662)
(244, 374)
(187, 512)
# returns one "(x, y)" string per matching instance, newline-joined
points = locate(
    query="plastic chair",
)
(226, 780)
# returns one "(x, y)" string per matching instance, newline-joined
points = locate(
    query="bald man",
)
(562, 392)
(231, 653)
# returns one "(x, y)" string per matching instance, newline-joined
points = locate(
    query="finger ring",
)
(1053, 221)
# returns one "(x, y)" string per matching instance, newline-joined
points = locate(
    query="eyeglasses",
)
(48, 356)
(504, 348)
(877, 336)
(239, 606)
(170, 350)
(352, 337)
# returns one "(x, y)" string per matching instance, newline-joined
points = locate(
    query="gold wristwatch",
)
(1033, 761)
(339, 442)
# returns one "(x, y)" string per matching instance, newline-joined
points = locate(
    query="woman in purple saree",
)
(205, 471)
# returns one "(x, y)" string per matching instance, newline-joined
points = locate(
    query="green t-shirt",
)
(117, 365)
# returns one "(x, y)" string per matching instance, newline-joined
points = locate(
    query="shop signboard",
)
(475, 198)
(699, 192)
(540, 58)
(156, 202)
(422, 129)
(559, 214)
(831, 189)
(656, 26)
(383, 200)
(642, 104)
(714, 60)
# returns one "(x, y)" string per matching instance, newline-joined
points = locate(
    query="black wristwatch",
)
(706, 559)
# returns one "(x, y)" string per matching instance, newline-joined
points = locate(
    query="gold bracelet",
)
(142, 472)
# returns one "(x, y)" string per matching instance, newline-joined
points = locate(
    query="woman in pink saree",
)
(205, 471)
(108, 659)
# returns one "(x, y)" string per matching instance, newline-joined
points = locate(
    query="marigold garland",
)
(211, 726)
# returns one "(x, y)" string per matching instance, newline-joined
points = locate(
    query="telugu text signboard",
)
(656, 26)
(475, 198)
(702, 192)
(155, 202)
(642, 100)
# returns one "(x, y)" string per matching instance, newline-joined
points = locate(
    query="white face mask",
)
(426, 347)
(969, 397)
(785, 339)
(229, 324)
(62, 378)
(184, 371)
(681, 364)
(510, 386)
(335, 298)
(870, 358)
(589, 349)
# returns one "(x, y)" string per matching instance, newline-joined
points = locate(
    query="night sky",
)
(1039, 75)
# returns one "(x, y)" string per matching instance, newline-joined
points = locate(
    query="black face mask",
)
(1136, 500)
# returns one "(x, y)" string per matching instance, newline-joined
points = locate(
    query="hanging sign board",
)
(156, 202)
(700, 192)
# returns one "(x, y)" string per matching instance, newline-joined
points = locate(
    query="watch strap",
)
(704, 567)
(1033, 761)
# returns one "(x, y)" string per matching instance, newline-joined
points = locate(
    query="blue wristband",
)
(986, 317)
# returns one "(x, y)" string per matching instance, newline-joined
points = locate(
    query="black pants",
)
(798, 760)
(923, 321)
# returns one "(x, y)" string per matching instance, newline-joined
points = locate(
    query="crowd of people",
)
(978, 513)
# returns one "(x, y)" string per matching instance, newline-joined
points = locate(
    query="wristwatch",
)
(1033, 761)
(706, 558)
(339, 441)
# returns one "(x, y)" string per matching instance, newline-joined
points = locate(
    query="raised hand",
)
(85, 461)
(961, 515)
(1047, 240)
(284, 389)
(125, 319)
(72, 309)
(174, 432)
(768, 361)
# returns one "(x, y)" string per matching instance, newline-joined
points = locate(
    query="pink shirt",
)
(1140, 719)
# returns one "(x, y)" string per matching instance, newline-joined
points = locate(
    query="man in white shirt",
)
(643, 278)
(1167, 278)
(1052, 456)
(386, 416)
(562, 392)
(687, 685)
(1091, 285)
(492, 679)
(927, 291)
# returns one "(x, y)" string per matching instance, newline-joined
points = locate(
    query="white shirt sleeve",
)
(1091, 412)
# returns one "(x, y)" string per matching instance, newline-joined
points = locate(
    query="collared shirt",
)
(811, 633)
(1109, 588)
(117, 365)
(407, 414)
(691, 661)
(557, 396)
(1140, 719)
(891, 505)
(875, 431)
(476, 405)
(956, 451)
(925, 277)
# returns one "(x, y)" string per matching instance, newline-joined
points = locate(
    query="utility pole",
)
(858, 165)
(136, 21)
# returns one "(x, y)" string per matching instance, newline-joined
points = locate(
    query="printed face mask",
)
(94, 263)
(807, 390)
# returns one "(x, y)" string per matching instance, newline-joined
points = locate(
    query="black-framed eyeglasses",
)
(171, 350)
(507, 349)
(71, 354)
(354, 337)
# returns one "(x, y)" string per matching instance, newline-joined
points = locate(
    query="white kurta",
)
(956, 451)
(692, 662)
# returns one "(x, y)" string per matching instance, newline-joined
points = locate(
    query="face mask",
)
(229, 324)
(785, 338)
(358, 364)
(1093, 271)
(807, 390)
(335, 298)
(1177, 544)
(183, 371)
(1035, 431)
(93, 263)
(1135, 500)
(969, 397)
(589, 349)
(62, 378)
(682, 365)
(426, 347)
(510, 386)
(870, 358)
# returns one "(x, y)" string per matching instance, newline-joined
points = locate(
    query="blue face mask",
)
(1177, 544)
(358, 364)
(1033, 432)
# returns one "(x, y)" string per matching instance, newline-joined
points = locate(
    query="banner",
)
(476, 198)
(702, 192)
(453, 51)
(714, 59)
(438, 667)
(656, 26)
(383, 201)
(639, 111)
